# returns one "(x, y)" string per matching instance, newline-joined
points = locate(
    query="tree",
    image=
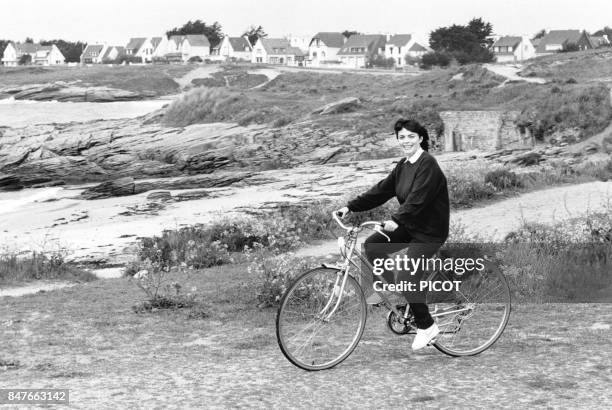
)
(3, 44)
(213, 33)
(539, 34)
(255, 33)
(380, 61)
(348, 33)
(70, 49)
(25, 59)
(569, 47)
(29, 40)
(482, 30)
(466, 44)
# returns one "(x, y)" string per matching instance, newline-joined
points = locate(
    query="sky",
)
(115, 21)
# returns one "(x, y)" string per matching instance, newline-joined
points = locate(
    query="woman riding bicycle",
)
(420, 224)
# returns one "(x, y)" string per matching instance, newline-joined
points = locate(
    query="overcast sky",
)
(114, 21)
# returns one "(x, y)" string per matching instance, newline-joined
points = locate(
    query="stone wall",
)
(483, 130)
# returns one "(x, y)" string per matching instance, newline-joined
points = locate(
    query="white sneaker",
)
(374, 299)
(424, 336)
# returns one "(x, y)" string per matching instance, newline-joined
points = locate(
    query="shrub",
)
(195, 59)
(503, 179)
(274, 274)
(154, 279)
(380, 61)
(39, 265)
(435, 58)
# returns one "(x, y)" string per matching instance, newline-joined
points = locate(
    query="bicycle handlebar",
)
(377, 225)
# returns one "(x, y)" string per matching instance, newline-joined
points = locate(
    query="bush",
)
(274, 274)
(586, 107)
(380, 61)
(195, 59)
(128, 59)
(38, 265)
(435, 58)
(154, 279)
(503, 179)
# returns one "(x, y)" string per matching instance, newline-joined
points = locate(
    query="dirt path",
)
(87, 339)
(200, 72)
(495, 221)
(510, 72)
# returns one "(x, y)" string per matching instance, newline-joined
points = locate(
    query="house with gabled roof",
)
(323, 48)
(133, 46)
(600, 41)
(277, 51)
(93, 53)
(111, 54)
(360, 48)
(555, 40)
(510, 49)
(39, 54)
(399, 46)
(238, 48)
(195, 45)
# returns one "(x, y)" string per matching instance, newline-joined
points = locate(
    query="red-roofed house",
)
(401, 45)
(359, 48)
(39, 54)
(509, 49)
(324, 47)
(555, 40)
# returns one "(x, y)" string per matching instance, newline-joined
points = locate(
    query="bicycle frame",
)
(350, 240)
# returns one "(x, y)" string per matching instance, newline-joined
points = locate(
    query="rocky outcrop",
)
(349, 104)
(142, 148)
(70, 92)
(118, 187)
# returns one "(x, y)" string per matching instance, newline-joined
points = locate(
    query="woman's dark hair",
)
(413, 126)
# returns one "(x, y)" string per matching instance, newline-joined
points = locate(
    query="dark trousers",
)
(377, 246)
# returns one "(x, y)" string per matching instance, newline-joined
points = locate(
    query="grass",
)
(88, 338)
(582, 66)
(156, 80)
(15, 268)
(291, 97)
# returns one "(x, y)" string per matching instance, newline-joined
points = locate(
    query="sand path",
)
(495, 221)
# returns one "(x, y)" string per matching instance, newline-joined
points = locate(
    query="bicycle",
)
(322, 315)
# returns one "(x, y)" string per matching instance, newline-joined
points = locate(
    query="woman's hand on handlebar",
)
(342, 212)
(390, 226)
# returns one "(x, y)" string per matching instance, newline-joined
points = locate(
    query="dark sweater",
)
(422, 193)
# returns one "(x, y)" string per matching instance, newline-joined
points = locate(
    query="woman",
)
(420, 224)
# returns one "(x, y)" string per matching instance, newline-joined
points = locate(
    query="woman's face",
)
(409, 141)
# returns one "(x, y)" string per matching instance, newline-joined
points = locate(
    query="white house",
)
(277, 51)
(160, 46)
(234, 47)
(555, 40)
(134, 45)
(359, 48)
(510, 49)
(195, 45)
(399, 46)
(112, 53)
(93, 53)
(39, 54)
(145, 51)
(323, 48)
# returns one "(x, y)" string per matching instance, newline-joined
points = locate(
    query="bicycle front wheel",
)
(317, 324)
(473, 317)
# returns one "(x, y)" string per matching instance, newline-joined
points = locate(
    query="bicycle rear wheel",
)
(310, 332)
(474, 317)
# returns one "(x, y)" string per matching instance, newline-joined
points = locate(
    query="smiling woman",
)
(420, 224)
